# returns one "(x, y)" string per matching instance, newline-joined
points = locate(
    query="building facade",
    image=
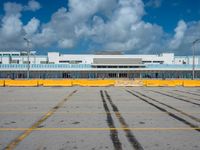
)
(55, 65)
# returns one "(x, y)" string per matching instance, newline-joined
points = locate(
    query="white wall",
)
(53, 57)
(168, 58)
(5, 60)
(187, 59)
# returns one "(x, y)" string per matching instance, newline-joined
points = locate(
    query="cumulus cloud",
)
(154, 3)
(119, 27)
(32, 26)
(12, 29)
(179, 35)
(32, 5)
(12, 8)
(105, 25)
(191, 34)
(66, 43)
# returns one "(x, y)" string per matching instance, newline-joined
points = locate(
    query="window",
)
(75, 61)
(122, 75)
(157, 61)
(6, 54)
(15, 54)
(64, 61)
(43, 62)
(71, 61)
(123, 66)
(26, 62)
(146, 62)
(14, 62)
(112, 75)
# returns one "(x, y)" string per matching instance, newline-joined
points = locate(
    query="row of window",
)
(71, 61)
(160, 62)
(9, 54)
(40, 66)
(174, 66)
(118, 66)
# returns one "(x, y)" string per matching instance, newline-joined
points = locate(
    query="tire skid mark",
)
(167, 112)
(178, 110)
(192, 93)
(181, 99)
(184, 95)
(36, 125)
(131, 138)
(113, 133)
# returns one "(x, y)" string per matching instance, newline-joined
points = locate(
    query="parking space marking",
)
(98, 129)
(26, 132)
(88, 113)
(169, 106)
(166, 111)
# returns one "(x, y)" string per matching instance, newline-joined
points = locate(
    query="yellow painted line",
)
(26, 102)
(32, 113)
(92, 129)
(47, 102)
(27, 131)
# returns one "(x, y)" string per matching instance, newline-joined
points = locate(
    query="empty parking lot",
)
(99, 118)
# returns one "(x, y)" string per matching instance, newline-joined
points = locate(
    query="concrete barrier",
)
(191, 83)
(25, 83)
(64, 83)
(178, 82)
(128, 83)
(168, 83)
(2, 83)
(96, 82)
(151, 83)
(159, 83)
(40, 82)
(93, 82)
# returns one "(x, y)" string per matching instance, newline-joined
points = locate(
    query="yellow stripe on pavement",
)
(27, 131)
(94, 129)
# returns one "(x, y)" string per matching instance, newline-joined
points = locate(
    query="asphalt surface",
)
(99, 118)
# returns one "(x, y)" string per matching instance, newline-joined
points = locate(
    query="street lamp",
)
(28, 53)
(193, 64)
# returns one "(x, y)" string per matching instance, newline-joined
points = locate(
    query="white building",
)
(56, 65)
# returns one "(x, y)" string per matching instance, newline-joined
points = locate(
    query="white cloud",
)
(125, 30)
(12, 29)
(44, 39)
(32, 5)
(191, 33)
(11, 26)
(179, 35)
(112, 25)
(12, 8)
(32, 26)
(154, 3)
(66, 43)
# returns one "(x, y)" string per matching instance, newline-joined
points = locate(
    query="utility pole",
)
(193, 62)
(28, 55)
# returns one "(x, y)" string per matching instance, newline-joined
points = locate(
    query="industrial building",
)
(55, 65)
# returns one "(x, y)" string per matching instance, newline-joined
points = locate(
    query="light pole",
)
(28, 53)
(193, 64)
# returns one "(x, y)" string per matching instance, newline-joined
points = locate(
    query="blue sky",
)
(88, 26)
(171, 11)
